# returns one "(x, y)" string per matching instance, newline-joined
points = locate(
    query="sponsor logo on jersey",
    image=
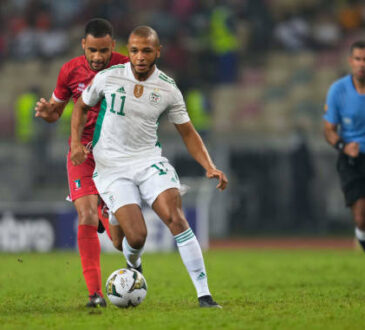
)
(81, 87)
(121, 90)
(155, 98)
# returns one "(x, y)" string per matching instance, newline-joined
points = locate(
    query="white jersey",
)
(126, 128)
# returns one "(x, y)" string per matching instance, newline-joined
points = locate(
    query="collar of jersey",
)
(131, 75)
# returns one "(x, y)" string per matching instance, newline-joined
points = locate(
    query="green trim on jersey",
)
(99, 122)
(122, 66)
(167, 79)
(158, 143)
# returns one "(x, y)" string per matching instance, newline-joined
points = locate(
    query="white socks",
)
(360, 235)
(133, 256)
(192, 258)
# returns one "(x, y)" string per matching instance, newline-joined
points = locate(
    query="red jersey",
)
(74, 76)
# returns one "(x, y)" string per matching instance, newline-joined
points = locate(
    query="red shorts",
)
(80, 178)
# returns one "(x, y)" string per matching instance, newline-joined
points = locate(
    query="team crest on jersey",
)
(347, 121)
(138, 91)
(77, 184)
(155, 98)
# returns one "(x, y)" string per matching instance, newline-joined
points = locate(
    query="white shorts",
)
(133, 184)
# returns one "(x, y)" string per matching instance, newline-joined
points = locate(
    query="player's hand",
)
(79, 153)
(215, 173)
(43, 108)
(352, 149)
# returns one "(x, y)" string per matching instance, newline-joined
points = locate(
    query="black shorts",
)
(352, 176)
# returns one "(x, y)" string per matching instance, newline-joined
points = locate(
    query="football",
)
(126, 288)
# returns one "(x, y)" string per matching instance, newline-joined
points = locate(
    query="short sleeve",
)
(332, 114)
(177, 113)
(62, 92)
(94, 92)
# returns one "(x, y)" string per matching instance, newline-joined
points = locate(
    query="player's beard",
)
(361, 78)
(102, 67)
(104, 64)
(144, 75)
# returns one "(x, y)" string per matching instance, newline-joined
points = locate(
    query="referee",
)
(344, 129)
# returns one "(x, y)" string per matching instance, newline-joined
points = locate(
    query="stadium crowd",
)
(198, 36)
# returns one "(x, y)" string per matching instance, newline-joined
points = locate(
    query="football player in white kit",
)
(129, 165)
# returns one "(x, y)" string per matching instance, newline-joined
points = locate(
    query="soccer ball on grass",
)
(126, 287)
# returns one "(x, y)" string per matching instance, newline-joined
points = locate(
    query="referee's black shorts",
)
(352, 177)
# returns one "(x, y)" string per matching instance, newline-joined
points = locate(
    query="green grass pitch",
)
(258, 289)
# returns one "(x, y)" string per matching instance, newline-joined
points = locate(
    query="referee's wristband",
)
(340, 145)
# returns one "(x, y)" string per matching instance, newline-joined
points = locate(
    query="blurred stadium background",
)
(254, 74)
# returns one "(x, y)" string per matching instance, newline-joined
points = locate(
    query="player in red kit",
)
(74, 76)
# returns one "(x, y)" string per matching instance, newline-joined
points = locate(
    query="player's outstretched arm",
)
(197, 149)
(78, 120)
(49, 111)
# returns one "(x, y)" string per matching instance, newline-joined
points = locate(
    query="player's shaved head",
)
(147, 32)
(144, 50)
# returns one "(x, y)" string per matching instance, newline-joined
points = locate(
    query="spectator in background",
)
(261, 24)
(293, 32)
(31, 132)
(326, 32)
(24, 45)
(164, 22)
(198, 108)
(64, 124)
(36, 36)
(64, 13)
(50, 42)
(224, 43)
(302, 171)
(197, 44)
(24, 115)
(350, 16)
(177, 59)
(183, 9)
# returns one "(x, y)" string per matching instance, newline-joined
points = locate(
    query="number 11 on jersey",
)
(120, 112)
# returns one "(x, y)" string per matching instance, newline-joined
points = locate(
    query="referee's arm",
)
(330, 132)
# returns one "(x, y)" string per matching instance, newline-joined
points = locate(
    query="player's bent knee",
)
(177, 225)
(137, 241)
(88, 217)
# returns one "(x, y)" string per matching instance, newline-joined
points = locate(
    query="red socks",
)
(89, 247)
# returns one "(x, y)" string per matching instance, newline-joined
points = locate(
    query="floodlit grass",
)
(257, 289)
